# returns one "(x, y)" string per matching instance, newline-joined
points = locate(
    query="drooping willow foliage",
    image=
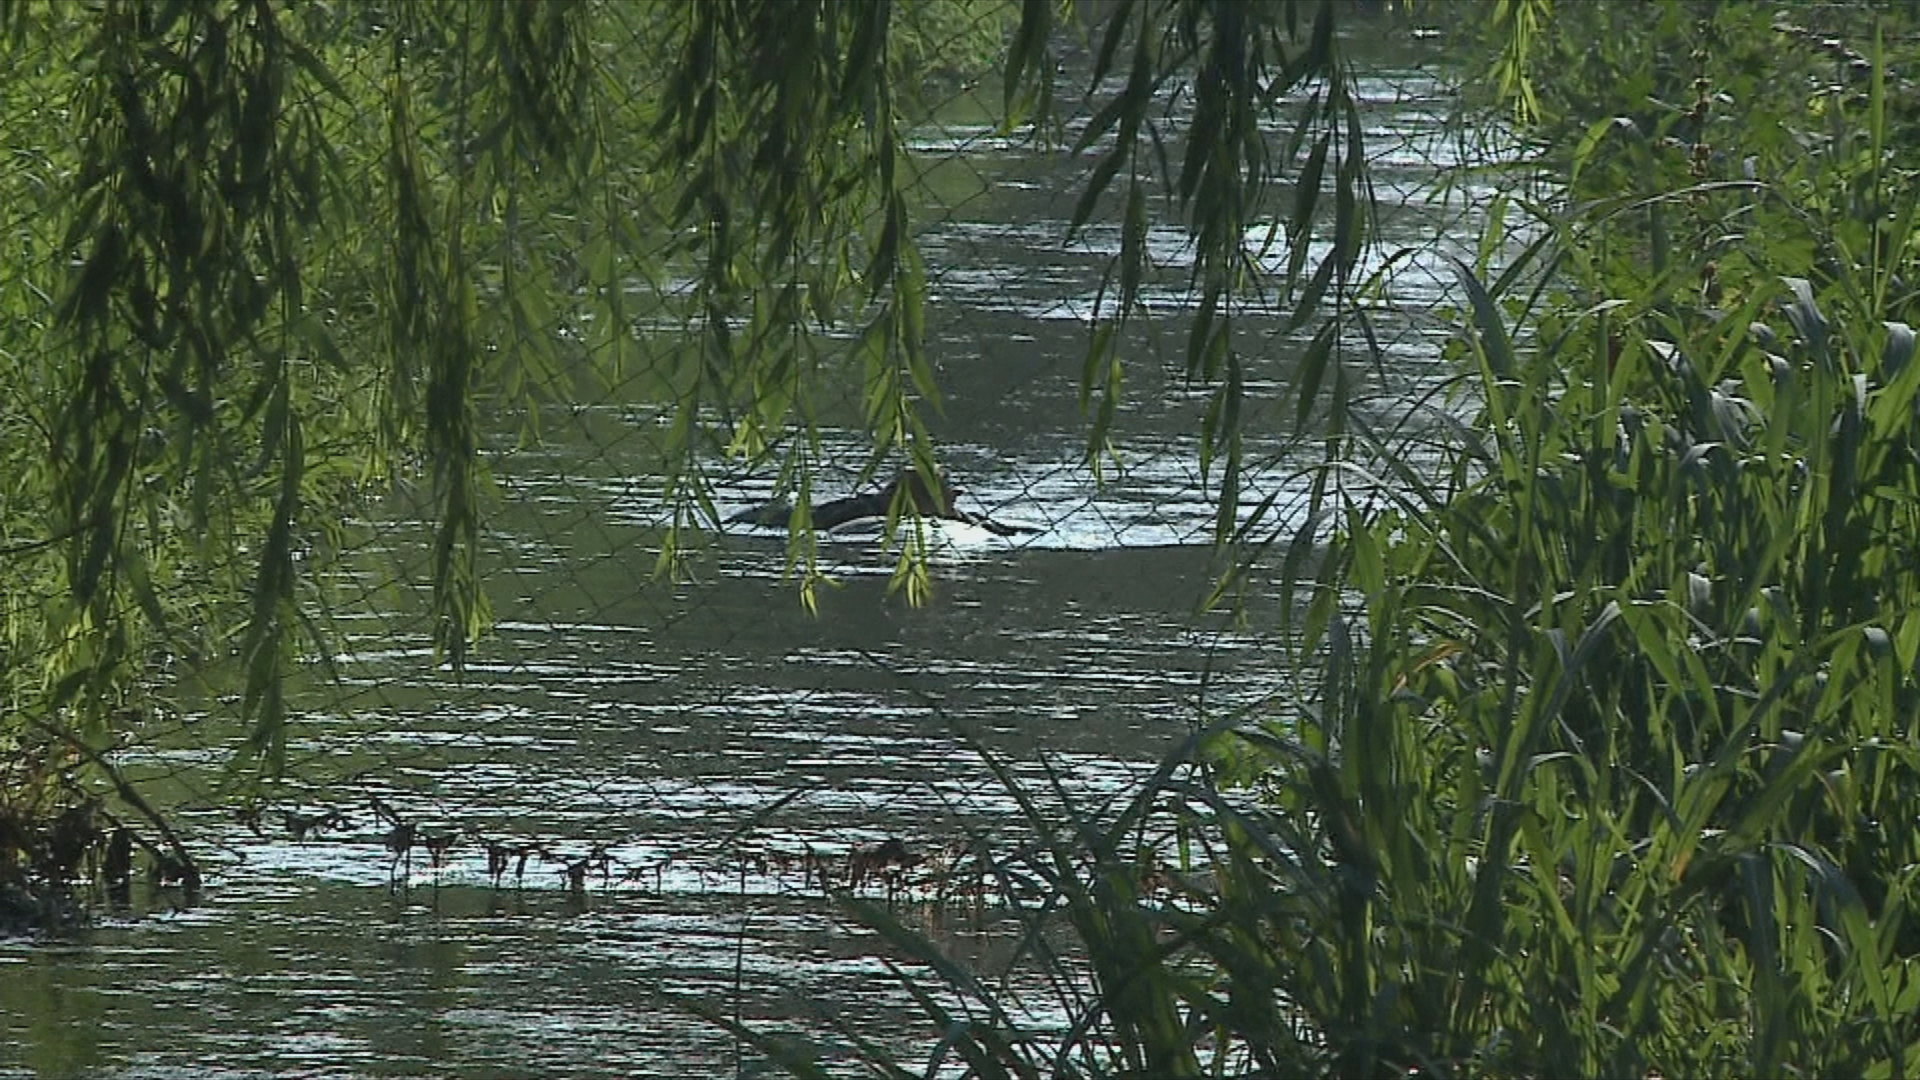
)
(265, 262)
(820, 223)
(255, 245)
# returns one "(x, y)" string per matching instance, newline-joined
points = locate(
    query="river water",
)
(663, 766)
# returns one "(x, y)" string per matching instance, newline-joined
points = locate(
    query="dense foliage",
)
(1624, 723)
(1607, 763)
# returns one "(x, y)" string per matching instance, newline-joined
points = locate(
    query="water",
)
(661, 767)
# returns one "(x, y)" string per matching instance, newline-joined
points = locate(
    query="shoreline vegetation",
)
(1607, 762)
(1601, 756)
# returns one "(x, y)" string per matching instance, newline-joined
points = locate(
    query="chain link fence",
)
(621, 726)
(622, 735)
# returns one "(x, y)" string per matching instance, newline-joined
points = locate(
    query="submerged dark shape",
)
(929, 501)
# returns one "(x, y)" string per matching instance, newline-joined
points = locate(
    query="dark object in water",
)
(928, 501)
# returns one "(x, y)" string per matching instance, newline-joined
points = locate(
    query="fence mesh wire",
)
(623, 727)
(625, 741)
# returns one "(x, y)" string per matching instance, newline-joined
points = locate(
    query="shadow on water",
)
(634, 786)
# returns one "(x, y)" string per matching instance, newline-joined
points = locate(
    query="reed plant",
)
(1606, 764)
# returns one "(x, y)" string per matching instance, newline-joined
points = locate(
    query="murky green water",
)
(687, 746)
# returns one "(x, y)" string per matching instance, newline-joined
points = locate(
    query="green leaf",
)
(1027, 57)
(1313, 368)
(1494, 345)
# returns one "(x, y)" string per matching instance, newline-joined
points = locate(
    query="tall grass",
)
(1610, 773)
(1611, 768)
